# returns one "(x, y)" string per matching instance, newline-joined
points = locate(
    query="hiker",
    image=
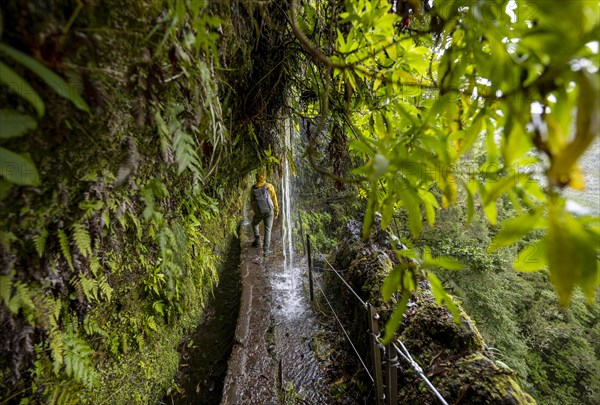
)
(264, 204)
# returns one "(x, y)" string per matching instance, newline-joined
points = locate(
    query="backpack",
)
(263, 199)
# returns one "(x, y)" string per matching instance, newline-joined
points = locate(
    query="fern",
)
(40, 242)
(90, 288)
(62, 394)
(23, 300)
(185, 153)
(5, 288)
(91, 327)
(94, 265)
(77, 283)
(82, 239)
(78, 360)
(138, 226)
(64, 247)
(151, 323)
(56, 348)
(105, 288)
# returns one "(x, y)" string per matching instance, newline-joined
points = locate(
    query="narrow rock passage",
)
(272, 355)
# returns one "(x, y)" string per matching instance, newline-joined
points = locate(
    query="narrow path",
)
(272, 355)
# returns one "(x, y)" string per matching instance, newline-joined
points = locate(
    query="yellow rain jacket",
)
(260, 181)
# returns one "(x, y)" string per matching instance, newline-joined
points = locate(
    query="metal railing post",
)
(302, 233)
(376, 355)
(310, 275)
(392, 375)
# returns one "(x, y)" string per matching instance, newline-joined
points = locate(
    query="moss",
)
(452, 355)
(127, 292)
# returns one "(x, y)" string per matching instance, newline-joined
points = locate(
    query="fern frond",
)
(23, 300)
(94, 265)
(82, 239)
(40, 242)
(78, 360)
(77, 283)
(185, 153)
(90, 288)
(105, 288)
(5, 288)
(64, 247)
(56, 348)
(137, 224)
(91, 327)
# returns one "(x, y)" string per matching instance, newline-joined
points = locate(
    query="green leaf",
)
(562, 253)
(391, 283)
(586, 263)
(82, 239)
(397, 316)
(14, 124)
(471, 134)
(442, 297)
(495, 191)
(442, 261)
(491, 212)
(532, 258)
(64, 247)
(17, 169)
(370, 212)
(40, 242)
(22, 88)
(5, 187)
(411, 203)
(48, 76)
(515, 229)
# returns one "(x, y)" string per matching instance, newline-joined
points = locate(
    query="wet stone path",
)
(272, 357)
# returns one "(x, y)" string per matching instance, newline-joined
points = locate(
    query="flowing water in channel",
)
(204, 360)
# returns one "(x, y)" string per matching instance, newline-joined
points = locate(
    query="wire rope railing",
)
(364, 304)
(377, 346)
(345, 333)
(406, 356)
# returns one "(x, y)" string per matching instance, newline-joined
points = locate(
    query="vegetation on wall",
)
(127, 132)
(125, 147)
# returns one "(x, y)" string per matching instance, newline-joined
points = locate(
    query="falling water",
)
(286, 282)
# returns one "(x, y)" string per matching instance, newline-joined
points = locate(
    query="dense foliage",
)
(477, 106)
(127, 132)
(124, 152)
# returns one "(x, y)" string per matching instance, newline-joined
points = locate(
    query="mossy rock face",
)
(431, 331)
(452, 355)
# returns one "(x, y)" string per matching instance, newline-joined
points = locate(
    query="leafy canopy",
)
(464, 101)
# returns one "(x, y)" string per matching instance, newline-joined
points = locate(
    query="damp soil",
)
(203, 363)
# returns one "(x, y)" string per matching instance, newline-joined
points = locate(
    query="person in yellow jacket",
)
(264, 204)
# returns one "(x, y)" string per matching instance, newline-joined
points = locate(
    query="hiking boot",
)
(256, 242)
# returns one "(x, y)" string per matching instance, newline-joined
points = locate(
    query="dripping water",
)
(292, 304)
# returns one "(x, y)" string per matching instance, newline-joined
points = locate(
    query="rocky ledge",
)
(452, 355)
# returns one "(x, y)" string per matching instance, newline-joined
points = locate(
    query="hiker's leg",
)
(268, 226)
(255, 223)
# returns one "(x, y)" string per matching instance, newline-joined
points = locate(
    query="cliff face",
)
(452, 355)
(109, 256)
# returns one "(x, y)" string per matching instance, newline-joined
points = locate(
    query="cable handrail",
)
(345, 333)
(364, 304)
(406, 356)
(403, 352)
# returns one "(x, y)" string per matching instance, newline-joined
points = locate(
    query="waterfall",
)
(288, 250)
(291, 292)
